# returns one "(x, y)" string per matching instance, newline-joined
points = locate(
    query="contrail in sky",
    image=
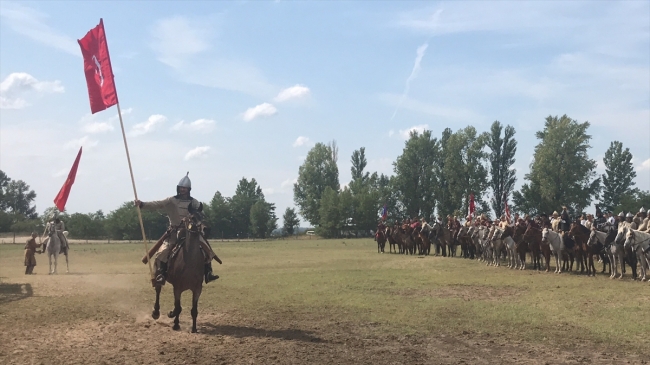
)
(416, 68)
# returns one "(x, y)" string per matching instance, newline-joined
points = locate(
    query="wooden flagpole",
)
(128, 158)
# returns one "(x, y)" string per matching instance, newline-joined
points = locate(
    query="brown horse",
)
(185, 270)
(580, 235)
(521, 247)
(380, 237)
(393, 243)
(534, 237)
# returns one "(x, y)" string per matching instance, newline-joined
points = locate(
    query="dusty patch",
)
(465, 292)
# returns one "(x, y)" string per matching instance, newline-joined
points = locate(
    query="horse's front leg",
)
(156, 306)
(195, 306)
(50, 260)
(177, 310)
(67, 265)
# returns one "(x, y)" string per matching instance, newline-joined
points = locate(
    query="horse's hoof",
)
(194, 330)
(171, 314)
(155, 314)
(176, 327)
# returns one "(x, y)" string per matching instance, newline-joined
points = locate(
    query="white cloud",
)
(201, 125)
(288, 183)
(198, 152)
(148, 126)
(301, 141)
(20, 83)
(406, 133)
(84, 141)
(185, 45)
(176, 39)
(31, 23)
(262, 110)
(645, 165)
(414, 72)
(294, 92)
(93, 123)
(98, 127)
(268, 191)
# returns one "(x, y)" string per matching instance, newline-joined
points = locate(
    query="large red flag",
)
(98, 70)
(62, 196)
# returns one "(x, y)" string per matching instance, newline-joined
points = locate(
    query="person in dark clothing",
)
(565, 220)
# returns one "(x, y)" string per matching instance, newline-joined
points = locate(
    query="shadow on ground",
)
(13, 292)
(239, 331)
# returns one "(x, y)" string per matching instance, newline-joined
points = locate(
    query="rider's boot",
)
(208, 273)
(161, 273)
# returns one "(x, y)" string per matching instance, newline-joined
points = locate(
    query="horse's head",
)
(593, 237)
(545, 235)
(630, 239)
(622, 231)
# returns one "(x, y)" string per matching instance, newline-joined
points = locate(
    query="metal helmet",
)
(629, 215)
(185, 182)
(621, 214)
(642, 210)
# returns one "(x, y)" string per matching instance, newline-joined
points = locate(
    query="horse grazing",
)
(53, 247)
(185, 270)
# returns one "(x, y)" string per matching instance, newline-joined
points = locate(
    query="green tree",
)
(415, 180)
(4, 181)
(501, 158)
(18, 198)
(318, 172)
(619, 175)
(88, 226)
(291, 220)
(263, 219)
(562, 172)
(331, 218)
(359, 163)
(246, 195)
(632, 200)
(123, 224)
(463, 171)
(219, 217)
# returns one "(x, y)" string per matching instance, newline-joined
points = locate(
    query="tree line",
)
(432, 175)
(246, 214)
(436, 175)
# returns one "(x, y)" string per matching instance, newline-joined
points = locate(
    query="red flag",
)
(98, 70)
(472, 207)
(62, 196)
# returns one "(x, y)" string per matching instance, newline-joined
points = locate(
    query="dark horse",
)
(185, 269)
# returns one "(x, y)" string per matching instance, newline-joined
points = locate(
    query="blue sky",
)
(227, 90)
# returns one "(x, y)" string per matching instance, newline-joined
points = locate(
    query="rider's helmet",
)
(184, 183)
(629, 215)
(621, 214)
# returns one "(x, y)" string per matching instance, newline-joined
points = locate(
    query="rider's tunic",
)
(176, 209)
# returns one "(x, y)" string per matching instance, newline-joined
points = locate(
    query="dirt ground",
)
(103, 318)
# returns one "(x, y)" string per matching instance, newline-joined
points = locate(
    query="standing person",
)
(177, 207)
(30, 251)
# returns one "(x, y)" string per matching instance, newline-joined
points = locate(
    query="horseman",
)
(503, 224)
(565, 220)
(629, 219)
(555, 221)
(59, 228)
(644, 224)
(381, 229)
(178, 207)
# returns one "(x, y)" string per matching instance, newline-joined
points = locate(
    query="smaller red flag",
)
(62, 196)
(98, 69)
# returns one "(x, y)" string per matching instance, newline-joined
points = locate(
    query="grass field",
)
(318, 301)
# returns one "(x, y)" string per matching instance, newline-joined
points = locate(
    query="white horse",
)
(495, 241)
(513, 258)
(53, 246)
(615, 252)
(640, 243)
(556, 243)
